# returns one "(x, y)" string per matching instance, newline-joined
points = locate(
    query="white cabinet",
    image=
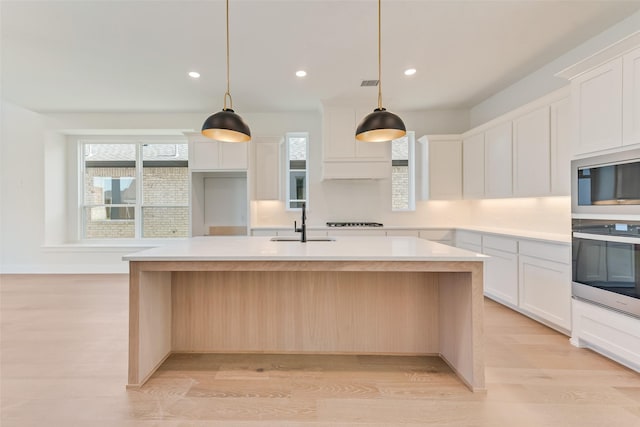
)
(596, 98)
(545, 282)
(346, 158)
(209, 155)
(532, 154)
(631, 98)
(267, 168)
(560, 148)
(439, 167)
(608, 332)
(498, 157)
(501, 270)
(473, 166)
(469, 240)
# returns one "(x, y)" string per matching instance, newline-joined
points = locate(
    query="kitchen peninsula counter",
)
(353, 295)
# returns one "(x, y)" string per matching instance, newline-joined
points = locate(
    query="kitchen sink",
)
(297, 239)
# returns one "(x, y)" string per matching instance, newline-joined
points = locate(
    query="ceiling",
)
(134, 56)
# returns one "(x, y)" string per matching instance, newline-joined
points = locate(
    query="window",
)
(134, 190)
(297, 178)
(403, 173)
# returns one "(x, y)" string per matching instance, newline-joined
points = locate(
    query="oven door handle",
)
(607, 238)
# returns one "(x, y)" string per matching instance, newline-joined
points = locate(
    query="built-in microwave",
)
(606, 184)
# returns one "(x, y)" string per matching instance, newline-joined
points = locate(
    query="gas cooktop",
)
(354, 224)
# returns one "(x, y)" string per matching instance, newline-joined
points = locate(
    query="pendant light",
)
(381, 125)
(226, 125)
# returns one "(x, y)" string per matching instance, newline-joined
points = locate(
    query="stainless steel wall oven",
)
(606, 263)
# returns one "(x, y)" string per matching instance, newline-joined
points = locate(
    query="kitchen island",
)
(353, 295)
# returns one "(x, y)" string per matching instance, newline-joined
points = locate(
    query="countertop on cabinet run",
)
(525, 234)
(343, 248)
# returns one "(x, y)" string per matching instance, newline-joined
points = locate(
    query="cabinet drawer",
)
(500, 243)
(436, 234)
(550, 251)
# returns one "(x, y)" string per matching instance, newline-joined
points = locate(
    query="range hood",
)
(343, 157)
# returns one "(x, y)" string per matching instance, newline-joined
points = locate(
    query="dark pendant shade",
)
(381, 125)
(226, 126)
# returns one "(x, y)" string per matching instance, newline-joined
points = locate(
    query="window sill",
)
(104, 246)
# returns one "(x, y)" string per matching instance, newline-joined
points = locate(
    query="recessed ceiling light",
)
(194, 74)
(409, 71)
(301, 73)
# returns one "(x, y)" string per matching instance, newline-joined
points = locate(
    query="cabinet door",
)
(205, 155)
(597, 108)
(531, 154)
(631, 98)
(339, 134)
(473, 167)
(233, 155)
(267, 170)
(445, 169)
(545, 290)
(498, 161)
(501, 276)
(468, 240)
(560, 149)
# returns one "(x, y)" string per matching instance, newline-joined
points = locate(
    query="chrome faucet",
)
(303, 229)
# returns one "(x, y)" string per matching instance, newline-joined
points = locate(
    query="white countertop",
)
(347, 248)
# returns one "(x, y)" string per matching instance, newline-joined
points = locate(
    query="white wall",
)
(543, 81)
(36, 221)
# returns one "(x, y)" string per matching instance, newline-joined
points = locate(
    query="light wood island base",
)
(319, 307)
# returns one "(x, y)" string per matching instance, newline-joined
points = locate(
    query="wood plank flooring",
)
(64, 363)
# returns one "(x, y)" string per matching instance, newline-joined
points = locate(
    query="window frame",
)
(288, 170)
(77, 174)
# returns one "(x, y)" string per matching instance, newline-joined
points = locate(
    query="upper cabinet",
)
(524, 153)
(605, 98)
(346, 158)
(473, 166)
(208, 155)
(498, 169)
(631, 98)
(267, 168)
(531, 153)
(439, 167)
(597, 107)
(560, 148)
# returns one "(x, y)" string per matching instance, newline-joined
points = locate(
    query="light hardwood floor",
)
(64, 363)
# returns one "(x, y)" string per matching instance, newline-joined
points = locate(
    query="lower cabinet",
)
(545, 290)
(501, 270)
(608, 332)
(530, 276)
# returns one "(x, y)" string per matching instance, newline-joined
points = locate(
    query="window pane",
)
(109, 222)
(298, 185)
(109, 152)
(401, 175)
(165, 152)
(297, 148)
(165, 222)
(109, 174)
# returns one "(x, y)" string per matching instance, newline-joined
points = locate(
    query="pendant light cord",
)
(228, 92)
(379, 56)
